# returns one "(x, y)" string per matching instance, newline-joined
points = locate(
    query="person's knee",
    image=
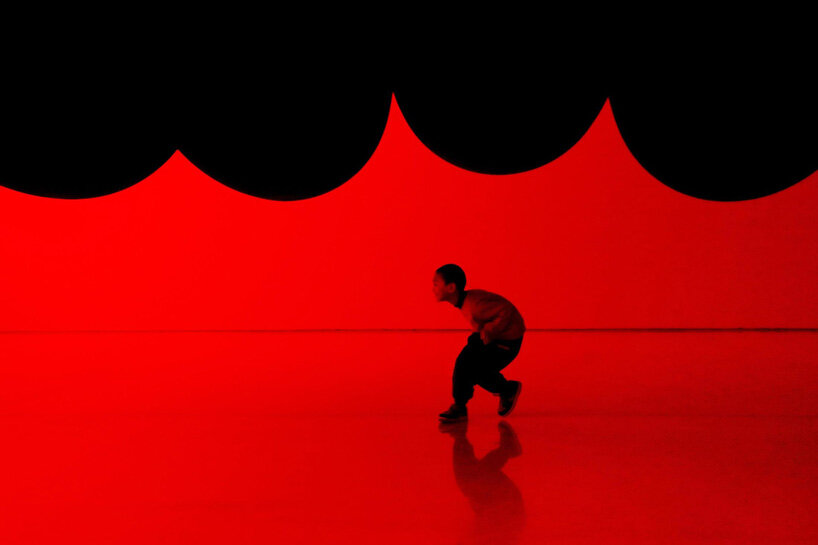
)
(469, 353)
(462, 360)
(475, 342)
(464, 375)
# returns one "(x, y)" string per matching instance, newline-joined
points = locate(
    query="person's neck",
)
(458, 300)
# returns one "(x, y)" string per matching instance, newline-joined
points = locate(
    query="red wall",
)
(589, 240)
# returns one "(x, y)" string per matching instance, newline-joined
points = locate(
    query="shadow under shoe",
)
(508, 439)
(453, 429)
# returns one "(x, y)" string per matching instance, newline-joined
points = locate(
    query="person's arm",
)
(498, 323)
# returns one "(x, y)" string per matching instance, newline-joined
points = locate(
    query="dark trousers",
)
(479, 365)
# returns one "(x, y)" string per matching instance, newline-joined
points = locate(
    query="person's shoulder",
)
(495, 298)
(485, 295)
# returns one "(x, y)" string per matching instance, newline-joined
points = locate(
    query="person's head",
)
(448, 283)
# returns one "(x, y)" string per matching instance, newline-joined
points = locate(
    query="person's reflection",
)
(495, 499)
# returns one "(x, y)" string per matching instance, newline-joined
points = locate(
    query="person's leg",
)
(496, 356)
(466, 370)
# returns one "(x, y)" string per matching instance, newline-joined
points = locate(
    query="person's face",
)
(441, 289)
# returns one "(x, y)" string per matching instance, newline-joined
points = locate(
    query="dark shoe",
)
(509, 400)
(455, 413)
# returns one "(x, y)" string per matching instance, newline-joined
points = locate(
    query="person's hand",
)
(484, 336)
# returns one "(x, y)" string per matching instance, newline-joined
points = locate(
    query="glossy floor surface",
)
(333, 438)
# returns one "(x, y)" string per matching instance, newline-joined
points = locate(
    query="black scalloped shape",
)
(82, 122)
(278, 131)
(723, 125)
(77, 124)
(729, 124)
(501, 111)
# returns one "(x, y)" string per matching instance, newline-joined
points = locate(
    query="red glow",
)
(316, 438)
(282, 437)
(589, 240)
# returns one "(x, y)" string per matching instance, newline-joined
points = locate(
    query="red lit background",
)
(590, 240)
(330, 437)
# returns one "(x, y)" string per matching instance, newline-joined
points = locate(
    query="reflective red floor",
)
(332, 438)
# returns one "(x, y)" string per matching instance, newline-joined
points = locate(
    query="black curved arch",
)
(269, 129)
(716, 134)
(501, 112)
(76, 125)
(721, 122)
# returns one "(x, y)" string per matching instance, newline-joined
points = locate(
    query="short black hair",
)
(451, 273)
